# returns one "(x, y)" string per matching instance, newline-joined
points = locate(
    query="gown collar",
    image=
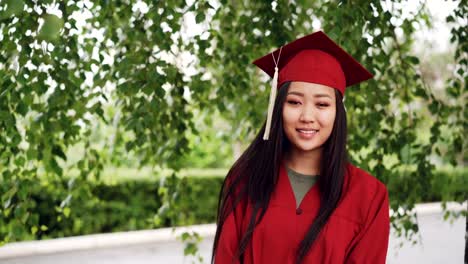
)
(283, 194)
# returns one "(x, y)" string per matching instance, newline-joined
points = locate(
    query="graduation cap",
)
(314, 58)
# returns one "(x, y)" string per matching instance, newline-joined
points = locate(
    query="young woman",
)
(293, 197)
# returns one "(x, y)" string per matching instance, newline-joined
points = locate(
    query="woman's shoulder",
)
(361, 192)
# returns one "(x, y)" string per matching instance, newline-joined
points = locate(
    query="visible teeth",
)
(308, 131)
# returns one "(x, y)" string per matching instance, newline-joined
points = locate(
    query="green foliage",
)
(191, 240)
(123, 206)
(59, 78)
(127, 205)
(209, 148)
(51, 28)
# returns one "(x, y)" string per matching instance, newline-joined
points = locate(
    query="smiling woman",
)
(293, 196)
(308, 118)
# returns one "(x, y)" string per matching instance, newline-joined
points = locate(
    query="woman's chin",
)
(306, 147)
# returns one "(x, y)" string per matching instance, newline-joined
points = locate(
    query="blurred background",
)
(118, 116)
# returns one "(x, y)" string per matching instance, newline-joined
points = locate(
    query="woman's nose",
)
(307, 114)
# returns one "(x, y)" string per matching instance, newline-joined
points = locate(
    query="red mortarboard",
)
(314, 58)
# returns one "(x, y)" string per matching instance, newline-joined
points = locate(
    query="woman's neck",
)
(304, 162)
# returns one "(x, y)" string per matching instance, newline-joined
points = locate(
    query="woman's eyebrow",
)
(315, 95)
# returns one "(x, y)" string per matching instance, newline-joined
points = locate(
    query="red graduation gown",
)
(357, 231)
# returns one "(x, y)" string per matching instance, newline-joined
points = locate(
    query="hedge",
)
(132, 205)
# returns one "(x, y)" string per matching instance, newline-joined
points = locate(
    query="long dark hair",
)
(254, 175)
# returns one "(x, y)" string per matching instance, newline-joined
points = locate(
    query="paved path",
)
(442, 242)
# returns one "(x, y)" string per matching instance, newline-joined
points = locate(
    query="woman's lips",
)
(307, 133)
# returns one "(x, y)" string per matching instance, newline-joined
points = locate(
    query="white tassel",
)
(271, 104)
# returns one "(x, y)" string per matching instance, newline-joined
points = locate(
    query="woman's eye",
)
(322, 105)
(293, 102)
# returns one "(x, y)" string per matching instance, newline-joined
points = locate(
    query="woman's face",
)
(308, 115)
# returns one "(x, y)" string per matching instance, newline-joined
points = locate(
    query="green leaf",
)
(55, 167)
(66, 211)
(185, 236)
(51, 28)
(13, 8)
(34, 230)
(413, 59)
(57, 151)
(6, 197)
(200, 17)
(190, 249)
